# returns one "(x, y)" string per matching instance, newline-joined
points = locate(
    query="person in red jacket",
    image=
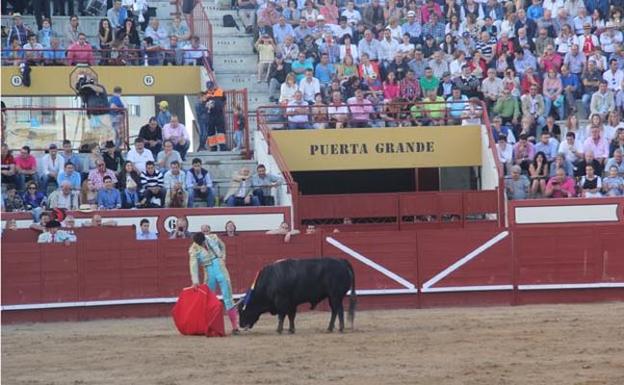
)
(80, 52)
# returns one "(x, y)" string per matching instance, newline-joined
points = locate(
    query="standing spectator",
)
(240, 192)
(97, 176)
(201, 114)
(176, 133)
(215, 103)
(18, 30)
(262, 183)
(25, 167)
(64, 197)
(517, 186)
(8, 166)
(175, 186)
(199, 184)
(152, 182)
(72, 31)
(144, 233)
(80, 52)
(116, 114)
(151, 133)
(69, 174)
(164, 116)
(278, 71)
(266, 54)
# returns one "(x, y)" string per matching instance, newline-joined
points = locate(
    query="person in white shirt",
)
(139, 156)
(571, 148)
(52, 164)
(505, 153)
(613, 76)
(388, 47)
(352, 14)
(297, 112)
(309, 86)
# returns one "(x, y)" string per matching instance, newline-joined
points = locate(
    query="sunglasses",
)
(32, 188)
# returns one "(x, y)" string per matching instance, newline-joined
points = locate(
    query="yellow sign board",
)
(380, 148)
(136, 81)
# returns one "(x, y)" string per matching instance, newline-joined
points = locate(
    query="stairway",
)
(234, 61)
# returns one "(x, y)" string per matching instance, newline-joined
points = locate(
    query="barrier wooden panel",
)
(340, 206)
(21, 273)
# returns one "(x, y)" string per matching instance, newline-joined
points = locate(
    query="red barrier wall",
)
(109, 265)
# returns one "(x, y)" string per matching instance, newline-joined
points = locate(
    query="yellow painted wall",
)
(55, 81)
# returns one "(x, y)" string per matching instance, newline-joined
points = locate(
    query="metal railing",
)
(109, 57)
(40, 126)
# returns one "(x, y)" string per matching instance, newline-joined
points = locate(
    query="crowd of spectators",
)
(120, 40)
(530, 63)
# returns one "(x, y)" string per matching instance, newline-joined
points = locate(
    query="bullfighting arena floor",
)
(550, 344)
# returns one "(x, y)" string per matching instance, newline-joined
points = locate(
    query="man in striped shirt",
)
(153, 184)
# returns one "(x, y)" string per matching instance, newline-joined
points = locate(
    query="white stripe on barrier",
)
(143, 301)
(370, 263)
(444, 273)
(452, 289)
(567, 286)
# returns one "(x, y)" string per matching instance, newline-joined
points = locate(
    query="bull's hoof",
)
(330, 330)
(279, 331)
(291, 331)
(341, 330)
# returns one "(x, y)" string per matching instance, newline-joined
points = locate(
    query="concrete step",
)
(229, 81)
(224, 63)
(235, 44)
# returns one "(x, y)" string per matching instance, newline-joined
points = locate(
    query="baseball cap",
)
(163, 104)
(279, 56)
(411, 13)
(320, 17)
(52, 146)
(466, 34)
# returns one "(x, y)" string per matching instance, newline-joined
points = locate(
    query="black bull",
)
(281, 286)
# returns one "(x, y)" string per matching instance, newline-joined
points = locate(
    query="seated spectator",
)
(53, 234)
(8, 166)
(300, 66)
(25, 168)
(199, 184)
(97, 221)
(181, 229)
(69, 174)
(433, 110)
(65, 197)
(13, 202)
(11, 224)
(602, 101)
(597, 145)
(319, 112)
(151, 133)
(129, 34)
(309, 86)
(14, 54)
(337, 111)
(177, 134)
(288, 89)
(590, 183)
(196, 53)
(361, 110)
(456, 105)
(285, 230)
(297, 112)
(409, 87)
(553, 93)
(590, 79)
(139, 155)
(80, 52)
(129, 183)
(175, 186)
(117, 15)
(88, 195)
(538, 173)
(152, 183)
(278, 71)
(533, 105)
(70, 157)
(174, 52)
(561, 162)
(156, 32)
(144, 233)
(613, 184)
(616, 161)
(324, 71)
(152, 52)
(240, 192)
(96, 177)
(167, 156)
(52, 164)
(179, 29)
(112, 157)
(517, 186)
(69, 223)
(262, 183)
(505, 153)
(560, 185)
(547, 145)
(33, 51)
(109, 197)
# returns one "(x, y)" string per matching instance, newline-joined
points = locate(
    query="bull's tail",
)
(352, 296)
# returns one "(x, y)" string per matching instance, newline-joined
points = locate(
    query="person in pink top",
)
(560, 185)
(360, 108)
(391, 89)
(80, 52)
(597, 145)
(177, 134)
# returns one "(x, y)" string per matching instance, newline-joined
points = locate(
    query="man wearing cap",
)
(588, 41)
(52, 164)
(413, 28)
(322, 29)
(53, 234)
